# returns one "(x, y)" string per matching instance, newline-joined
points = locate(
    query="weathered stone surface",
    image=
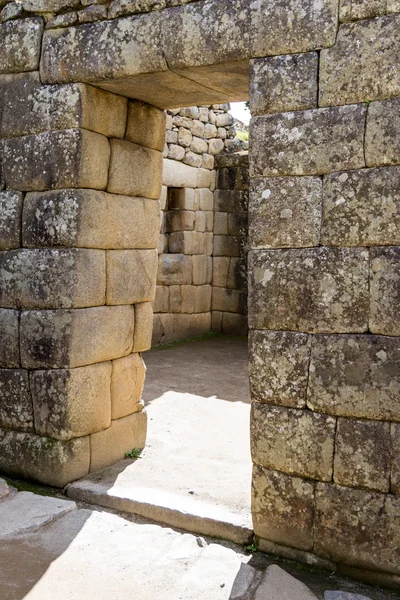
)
(20, 43)
(358, 527)
(178, 175)
(143, 327)
(57, 159)
(283, 508)
(44, 459)
(9, 339)
(311, 142)
(382, 138)
(395, 466)
(226, 200)
(362, 454)
(228, 300)
(134, 170)
(188, 242)
(10, 219)
(283, 83)
(278, 367)
(312, 290)
(131, 276)
(12, 10)
(89, 219)
(30, 107)
(131, 7)
(329, 595)
(146, 126)
(233, 179)
(71, 403)
(73, 338)
(285, 212)
(354, 10)
(385, 290)
(278, 584)
(16, 410)
(110, 445)
(350, 71)
(127, 383)
(174, 269)
(362, 208)
(48, 6)
(355, 376)
(4, 489)
(52, 278)
(297, 442)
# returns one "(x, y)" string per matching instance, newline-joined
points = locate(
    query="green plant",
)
(134, 453)
(250, 548)
(367, 103)
(242, 135)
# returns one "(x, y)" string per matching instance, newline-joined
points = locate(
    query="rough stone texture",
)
(52, 278)
(358, 527)
(354, 10)
(283, 508)
(10, 219)
(57, 159)
(73, 338)
(127, 382)
(9, 339)
(362, 208)
(297, 442)
(146, 126)
(283, 83)
(277, 583)
(385, 290)
(312, 290)
(131, 276)
(362, 454)
(134, 170)
(143, 327)
(382, 145)
(131, 7)
(71, 403)
(349, 71)
(15, 400)
(278, 367)
(89, 219)
(310, 142)
(20, 43)
(285, 212)
(4, 490)
(355, 376)
(395, 467)
(174, 269)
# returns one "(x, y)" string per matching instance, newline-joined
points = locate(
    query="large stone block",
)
(285, 212)
(20, 42)
(226, 200)
(186, 242)
(134, 170)
(52, 278)
(178, 175)
(355, 376)
(362, 208)
(311, 142)
(143, 327)
(354, 10)
(127, 383)
(146, 126)
(385, 290)
(297, 442)
(382, 138)
(278, 367)
(311, 290)
(9, 338)
(71, 403)
(174, 269)
(89, 219)
(227, 300)
(16, 410)
(283, 508)
(395, 469)
(131, 276)
(283, 83)
(57, 159)
(358, 527)
(58, 339)
(364, 64)
(10, 219)
(232, 179)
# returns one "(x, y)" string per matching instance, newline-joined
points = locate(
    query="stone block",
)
(109, 446)
(350, 72)
(143, 327)
(297, 442)
(227, 300)
(146, 126)
(58, 339)
(20, 42)
(180, 220)
(131, 7)
(278, 367)
(382, 138)
(220, 271)
(362, 454)
(131, 276)
(237, 224)
(285, 212)
(57, 159)
(362, 208)
(192, 159)
(178, 175)
(395, 464)
(134, 170)
(10, 219)
(16, 410)
(164, 198)
(89, 219)
(71, 403)
(174, 269)
(283, 83)
(52, 278)
(357, 527)
(200, 269)
(176, 152)
(215, 146)
(202, 300)
(321, 290)
(182, 199)
(9, 339)
(355, 376)
(231, 200)
(198, 145)
(385, 290)
(127, 381)
(283, 508)
(234, 324)
(354, 10)
(232, 179)
(161, 301)
(186, 242)
(310, 142)
(184, 137)
(204, 199)
(221, 223)
(226, 245)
